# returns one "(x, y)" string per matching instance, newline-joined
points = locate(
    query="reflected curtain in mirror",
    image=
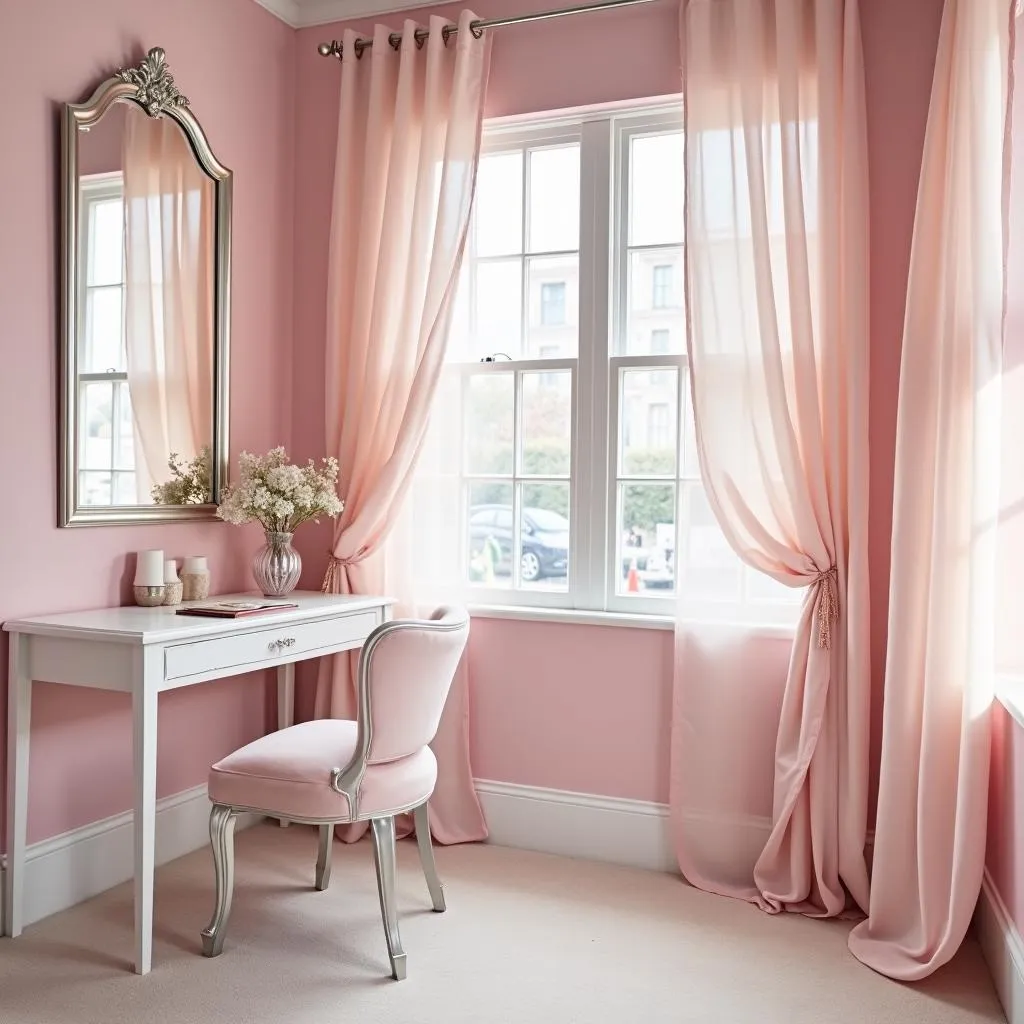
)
(169, 229)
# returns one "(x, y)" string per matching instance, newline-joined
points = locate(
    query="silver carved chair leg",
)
(323, 857)
(222, 839)
(384, 859)
(427, 858)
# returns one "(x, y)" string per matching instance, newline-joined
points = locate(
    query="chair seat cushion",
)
(288, 774)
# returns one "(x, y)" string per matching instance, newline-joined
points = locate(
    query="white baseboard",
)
(631, 832)
(84, 862)
(1002, 948)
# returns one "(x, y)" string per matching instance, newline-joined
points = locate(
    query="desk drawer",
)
(283, 642)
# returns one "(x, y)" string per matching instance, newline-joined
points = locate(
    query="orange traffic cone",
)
(633, 579)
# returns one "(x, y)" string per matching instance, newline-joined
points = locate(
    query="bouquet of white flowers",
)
(279, 495)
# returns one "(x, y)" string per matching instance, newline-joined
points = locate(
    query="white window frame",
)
(545, 135)
(604, 138)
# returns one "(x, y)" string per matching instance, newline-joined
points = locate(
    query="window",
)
(106, 456)
(661, 341)
(552, 304)
(662, 287)
(574, 474)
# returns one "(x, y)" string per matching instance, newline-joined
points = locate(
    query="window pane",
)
(554, 307)
(489, 525)
(124, 489)
(708, 568)
(106, 246)
(691, 460)
(490, 423)
(124, 448)
(764, 590)
(552, 304)
(499, 303)
(104, 349)
(544, 536)
(461, 344)
(656, 179)
(647, 423)
(546, 423)
(646, 538)
(654, 303)
(554, 199)
(93, 489)
(499, 205)
(95, 412)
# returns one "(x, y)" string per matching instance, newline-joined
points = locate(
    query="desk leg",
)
(285, 702)
(19, 707)
(144, 708)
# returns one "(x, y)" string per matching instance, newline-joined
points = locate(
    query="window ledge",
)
(633, 620)
(1010, 693)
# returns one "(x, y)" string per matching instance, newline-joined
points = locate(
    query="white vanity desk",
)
(144, 651)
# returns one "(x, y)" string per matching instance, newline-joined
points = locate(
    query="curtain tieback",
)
(827, 605)
(333, 564)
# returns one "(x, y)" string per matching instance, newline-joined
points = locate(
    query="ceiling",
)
(303, 13)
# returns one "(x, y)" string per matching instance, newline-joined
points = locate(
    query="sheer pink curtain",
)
(168, 213)
(408, 147)
(930, 830)
(777, 283)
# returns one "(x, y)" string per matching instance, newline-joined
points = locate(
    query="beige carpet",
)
(527, 938)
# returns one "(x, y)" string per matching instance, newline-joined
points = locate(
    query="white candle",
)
(194, 563)
(149, 569)
(170, 571)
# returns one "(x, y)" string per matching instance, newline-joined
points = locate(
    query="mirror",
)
(146, 248)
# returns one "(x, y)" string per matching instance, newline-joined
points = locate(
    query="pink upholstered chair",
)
(331, 772)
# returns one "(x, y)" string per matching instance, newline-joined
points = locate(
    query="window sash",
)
(515, 593)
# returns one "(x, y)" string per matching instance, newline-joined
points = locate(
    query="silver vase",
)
(277, 565)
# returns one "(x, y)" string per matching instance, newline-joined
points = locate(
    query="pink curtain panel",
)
(777, 280)
(408, 147)
(933, 790)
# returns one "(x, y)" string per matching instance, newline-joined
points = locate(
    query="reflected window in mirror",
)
(106, 459)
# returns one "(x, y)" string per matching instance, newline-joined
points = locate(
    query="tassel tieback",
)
(333, 564)
(827, 605)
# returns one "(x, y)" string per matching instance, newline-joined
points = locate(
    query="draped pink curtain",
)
(932, 804)
(168, 211)
(777, 290)
(408, 148)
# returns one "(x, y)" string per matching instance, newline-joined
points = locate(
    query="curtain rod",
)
(333, 48)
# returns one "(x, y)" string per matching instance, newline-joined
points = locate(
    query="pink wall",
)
(1004, 855)
(100, 149)
(550, 678)
(236, 63)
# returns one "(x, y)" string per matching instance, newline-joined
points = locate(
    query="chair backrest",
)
(405, 672)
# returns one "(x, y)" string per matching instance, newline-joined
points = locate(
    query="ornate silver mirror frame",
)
(148, 85)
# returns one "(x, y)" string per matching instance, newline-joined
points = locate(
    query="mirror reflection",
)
(145, 339)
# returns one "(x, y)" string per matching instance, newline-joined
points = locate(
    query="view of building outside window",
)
(552, 304)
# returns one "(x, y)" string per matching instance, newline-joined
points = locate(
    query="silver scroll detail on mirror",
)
(154, 83)
(146, 252)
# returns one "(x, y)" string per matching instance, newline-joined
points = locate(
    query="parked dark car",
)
(545, 539)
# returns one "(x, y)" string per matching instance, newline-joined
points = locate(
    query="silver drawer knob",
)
(279, 645)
